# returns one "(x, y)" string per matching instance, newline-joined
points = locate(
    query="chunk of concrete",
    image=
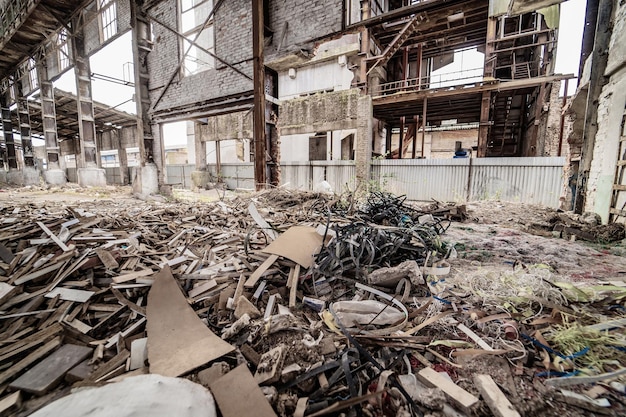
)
(55, 177)
(31, 176)
(389, 277)
(145, 180)
(91, 177)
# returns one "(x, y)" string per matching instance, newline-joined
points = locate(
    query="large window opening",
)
(195, 25)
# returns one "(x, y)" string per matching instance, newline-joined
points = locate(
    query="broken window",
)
(108, 19)
(63, 51)
(197, 27)
(317, 147)
(32, 74)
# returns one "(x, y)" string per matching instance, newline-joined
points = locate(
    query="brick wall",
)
(306, 20)
(233, 43)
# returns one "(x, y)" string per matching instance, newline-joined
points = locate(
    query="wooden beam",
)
(258, 38)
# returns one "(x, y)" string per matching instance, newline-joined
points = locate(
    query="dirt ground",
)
(491, 241)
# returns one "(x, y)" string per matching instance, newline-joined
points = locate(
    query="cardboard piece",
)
(298, 243)
(237, 394)
(178, 341)
(48, 373)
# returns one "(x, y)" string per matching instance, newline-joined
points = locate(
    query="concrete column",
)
(30, 175)
(55, 170)
(13, 176)
(201, 176)
(151, 170)
(122, 156)
(86, 160)
(363, 154)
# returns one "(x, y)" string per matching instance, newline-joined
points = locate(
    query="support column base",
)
(201, 180)
(91, 177)
(3, 176)
(145, 180)
(15, 177)
(55, 177)
(31, 176)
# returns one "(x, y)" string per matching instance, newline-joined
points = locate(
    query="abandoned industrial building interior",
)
(291, 127)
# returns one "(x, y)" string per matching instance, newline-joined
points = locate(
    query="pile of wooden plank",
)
(223, 294)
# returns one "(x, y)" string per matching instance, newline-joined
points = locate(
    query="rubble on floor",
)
(303, 304)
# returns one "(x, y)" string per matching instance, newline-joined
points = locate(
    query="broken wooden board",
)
(10, 403)
(49, 372)
(499, 405)
(298, 243)
(69, 294)
(28, 360)
(5, 254)
(178, 341)
(256, 275)
(6, 291)
(138, 353)
(461, 398)
(107, 259)
(237, 394)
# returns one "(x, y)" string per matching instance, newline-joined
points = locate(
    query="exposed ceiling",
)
(67, 116)
(23, 31)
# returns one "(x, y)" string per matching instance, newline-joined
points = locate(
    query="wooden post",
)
(417, 125)
(483, 129)
(401, 140)
(424, 110)
(218, 161)
(260, 166)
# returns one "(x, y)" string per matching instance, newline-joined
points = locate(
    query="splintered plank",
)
(6, 291)
(498, 403)
(69, 294)
(54, 238)
(133, 275)
(49, 372)
(5, 254)
(236, 393)
(461, 398)
(107, 259)
(33, 357)
(10, 403)
(256, 275)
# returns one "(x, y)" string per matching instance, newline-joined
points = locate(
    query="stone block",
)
(91, 177)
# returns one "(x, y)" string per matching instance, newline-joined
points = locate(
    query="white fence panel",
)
(527, 180)
(423, 179)
(296, 175)
(237, 175)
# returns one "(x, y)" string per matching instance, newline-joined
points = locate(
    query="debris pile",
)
(306, 305)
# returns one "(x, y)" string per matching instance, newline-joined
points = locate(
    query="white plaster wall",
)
(295, 148)
(610, 112)
(327, 75)
(228, 151)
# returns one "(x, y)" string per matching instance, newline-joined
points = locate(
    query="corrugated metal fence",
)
(528, 180)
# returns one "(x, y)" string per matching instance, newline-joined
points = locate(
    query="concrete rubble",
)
(297, 304)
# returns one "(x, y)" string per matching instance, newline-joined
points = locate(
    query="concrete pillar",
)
(363, 154)
(201, 176)
(30, 175)
(150, 173)
(86, 160)
(13, 176)
(55, 170)
(122, 157)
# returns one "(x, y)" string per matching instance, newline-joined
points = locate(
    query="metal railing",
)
(436, 81)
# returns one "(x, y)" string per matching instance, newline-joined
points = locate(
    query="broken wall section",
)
(611, 114)
(232, 28)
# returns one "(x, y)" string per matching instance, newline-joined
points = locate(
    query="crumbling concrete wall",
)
(226, 126)
(550, 123)
(611, 110)
(319, 112)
